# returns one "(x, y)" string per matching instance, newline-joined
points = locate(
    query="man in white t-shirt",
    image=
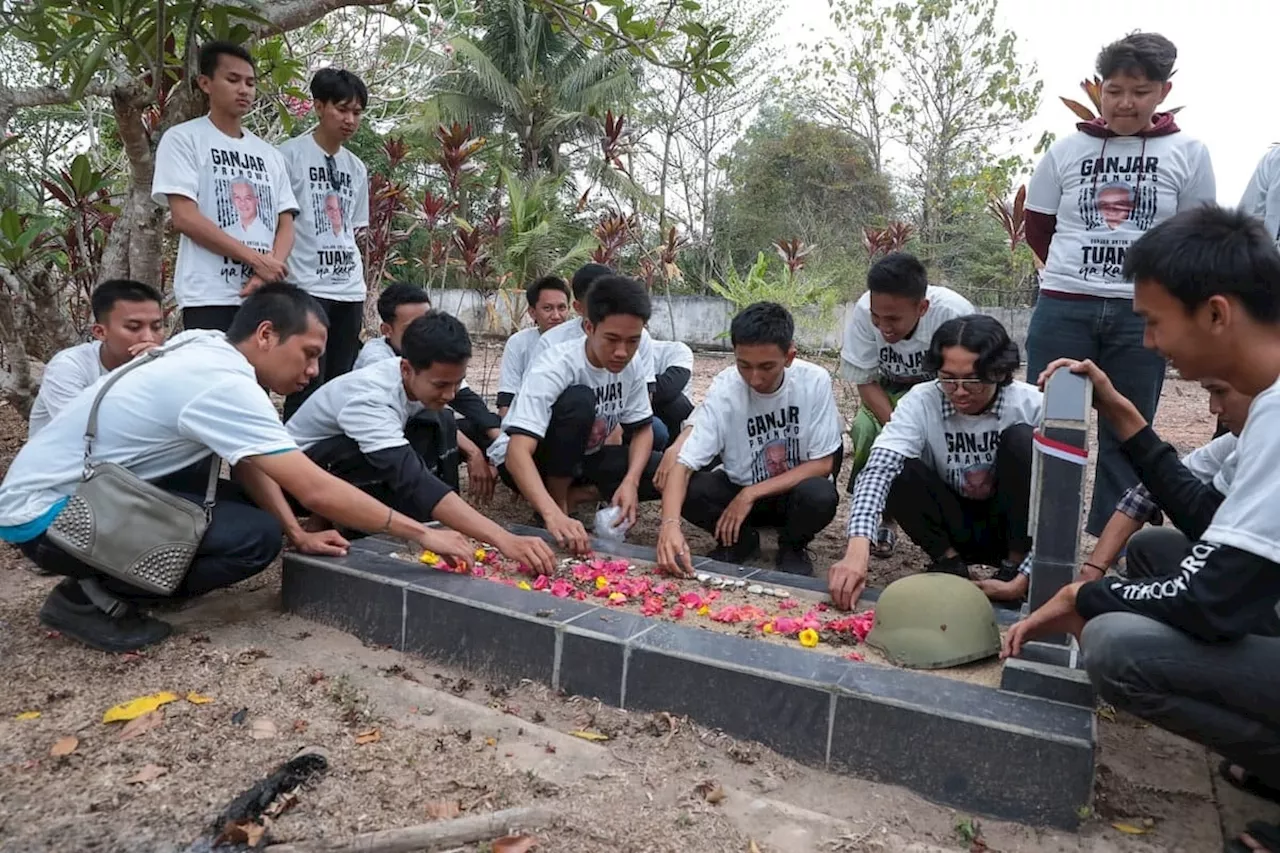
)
(228, 193)
(1262, 197)
(548, 299)
(772, 420)
(355, 428)
(128, 319)
(166, 421)
(953, 466)
(332, 188)
(1194, 648)
(672, 370)
(576, 330)
(573, 396)
(1188, 491)
(1092, 195)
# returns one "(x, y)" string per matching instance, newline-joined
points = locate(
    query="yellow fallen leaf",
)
(196, 699)
(370, 736)
(1129, 829)
(585, 735)
(126, 711)
(28, 715)
(65, 745)
(491, 741)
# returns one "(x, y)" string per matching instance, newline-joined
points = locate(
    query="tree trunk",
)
(19, 390)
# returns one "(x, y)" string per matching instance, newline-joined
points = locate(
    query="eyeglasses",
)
(331, 166)
(956, 384)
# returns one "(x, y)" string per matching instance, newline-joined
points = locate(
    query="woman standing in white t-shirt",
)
(1093, 194)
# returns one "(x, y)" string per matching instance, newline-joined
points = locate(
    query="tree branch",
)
(286, 15)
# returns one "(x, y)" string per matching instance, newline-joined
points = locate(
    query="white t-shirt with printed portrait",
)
(368, 405)
(333, 204)
(865, 355)
(960, 448)
(1262, 196)
(67, 374)
(516, 356)
(1108, 192)
(574, 330)
(759, 436)
(621, 398)
(158, 419)
(239, 184)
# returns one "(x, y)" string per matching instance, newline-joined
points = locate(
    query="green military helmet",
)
(933, 621)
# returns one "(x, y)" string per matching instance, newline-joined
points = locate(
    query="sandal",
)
(1249, 783)
(886, 541)
(1263, 833)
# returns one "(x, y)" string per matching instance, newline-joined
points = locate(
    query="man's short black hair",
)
(106, 295)
(617, 294)
(1149, 54)
(287, 307)
(586, 276)
(338, 86)
(763, 323)
(898, 274)
(533, 292)
(982, 335)
(210, 51)
(435, 337)
(1208, 251)
(397, 294)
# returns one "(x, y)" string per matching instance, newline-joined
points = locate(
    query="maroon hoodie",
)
(1041, 226)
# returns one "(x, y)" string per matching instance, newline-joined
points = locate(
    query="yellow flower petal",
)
(524, 585)
(134, 708)
(481, 553)
(808, 638)
(617, 596)
(704, 610)
(601, 582)
(768, 627)
(28, 715)
(429, 557)
(196, 699)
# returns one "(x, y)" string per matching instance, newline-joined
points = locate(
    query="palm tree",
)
(537, 84)
(537, 231)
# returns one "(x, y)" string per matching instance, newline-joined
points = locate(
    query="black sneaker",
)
(794, 561)
(747, 548)
(950, 566)
(68, 609)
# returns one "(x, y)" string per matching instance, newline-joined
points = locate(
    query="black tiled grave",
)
(593, 653)
(1045, 681)
(366, 606)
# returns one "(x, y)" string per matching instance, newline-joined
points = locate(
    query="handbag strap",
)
(91, 427)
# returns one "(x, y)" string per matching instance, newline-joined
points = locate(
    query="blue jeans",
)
(1110, 334)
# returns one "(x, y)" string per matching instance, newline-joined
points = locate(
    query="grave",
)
(1023, 752)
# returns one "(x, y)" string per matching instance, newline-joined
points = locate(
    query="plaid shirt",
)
(871, 490)
(1139, 505)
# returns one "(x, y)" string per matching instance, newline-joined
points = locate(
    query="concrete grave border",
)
(1024, 754)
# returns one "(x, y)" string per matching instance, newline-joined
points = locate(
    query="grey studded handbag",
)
(124, 526)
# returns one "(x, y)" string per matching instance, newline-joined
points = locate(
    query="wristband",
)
(1095, 566)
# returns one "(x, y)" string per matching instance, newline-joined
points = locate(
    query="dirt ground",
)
(446, 741)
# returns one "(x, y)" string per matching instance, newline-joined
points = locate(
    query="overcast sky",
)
(1227, 55)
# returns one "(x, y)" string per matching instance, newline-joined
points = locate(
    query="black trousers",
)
(475, 419)
(563, 451)
(240, 541)
(670, 405)
(799, 515)
(217, 317)
(345, 321)
(937, 518)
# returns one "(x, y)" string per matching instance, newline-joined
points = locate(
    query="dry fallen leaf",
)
(1129, 829)
(752, 847)
(139, 726)
(514, 844)
(491, 741)
(196, 699)
(281, 804)
(65, 745)
(245, 832)
(262, 729)
(370, 736)
(585, 735)
(300, 726)
(148, 773)
(28, 715)
(444, 809)
(135, 708)
(710, 791)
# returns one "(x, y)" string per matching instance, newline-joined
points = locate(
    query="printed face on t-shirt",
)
(434, 386)
(244, 196)
(1115, 204)
(405, 314)
(231, 88)
(333, 213)
(895, 317)
(762, 366)
(551, 309)
(774, 440)
(127, 325)
(613, 342)
(959, 380)
(1129, 101)
(1227, 404)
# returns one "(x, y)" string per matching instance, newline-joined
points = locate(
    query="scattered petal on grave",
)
(134, 708)
(808, 638)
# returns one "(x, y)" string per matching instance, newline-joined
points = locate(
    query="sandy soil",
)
(482, 744)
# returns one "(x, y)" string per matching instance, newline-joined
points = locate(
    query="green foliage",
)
(811, 301)
(538, 238)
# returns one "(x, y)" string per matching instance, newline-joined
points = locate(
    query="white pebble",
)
(755, 589)
(782, 593)
(702, 577)
(739, 583)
